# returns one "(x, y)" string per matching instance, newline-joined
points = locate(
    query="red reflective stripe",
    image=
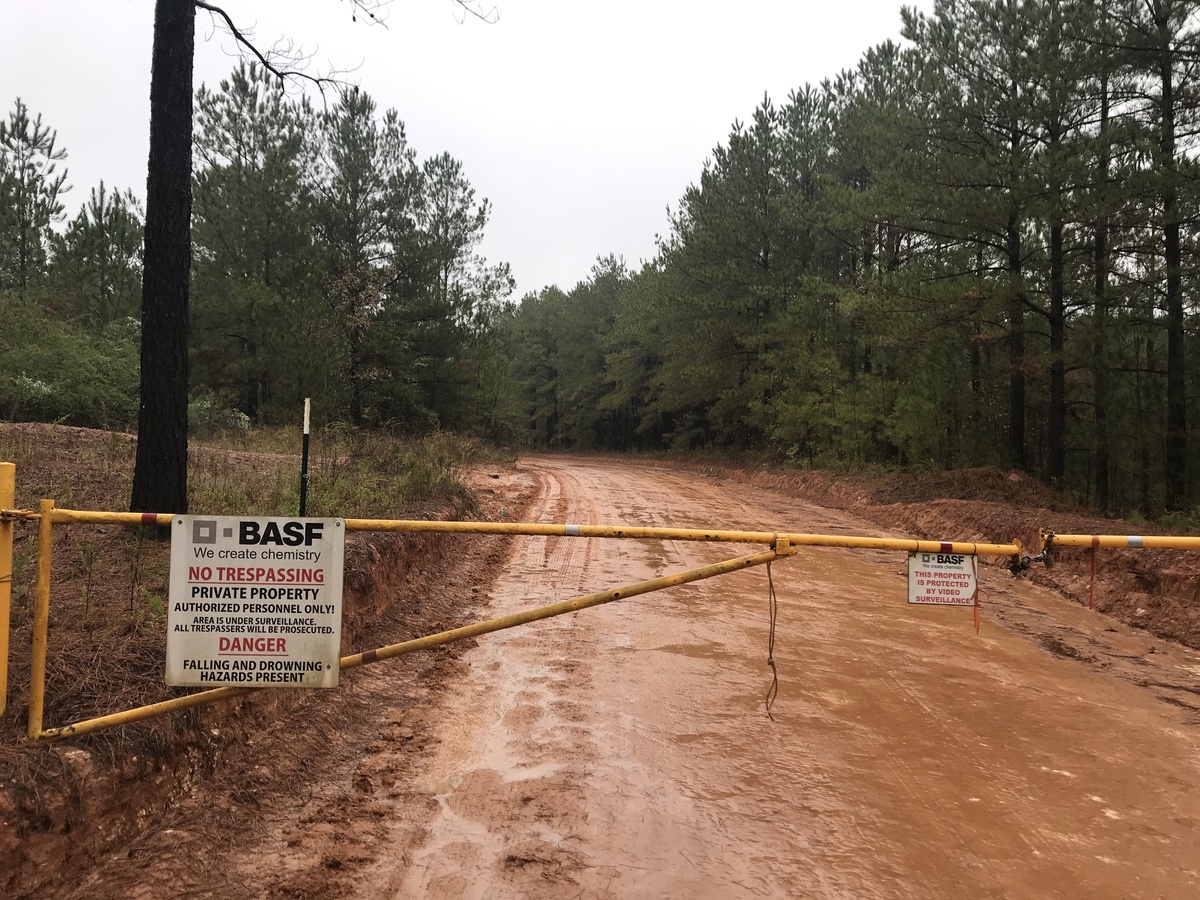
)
(370, 656)
(149, 518)
(946, 548)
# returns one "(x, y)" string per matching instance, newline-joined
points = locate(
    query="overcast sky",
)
(580, 121)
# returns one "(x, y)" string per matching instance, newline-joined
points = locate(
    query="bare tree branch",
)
(368, 8)
(491, 15)
(287, 64)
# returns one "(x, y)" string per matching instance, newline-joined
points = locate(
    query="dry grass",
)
(108, 606)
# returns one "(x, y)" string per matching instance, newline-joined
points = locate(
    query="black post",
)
(304, 463)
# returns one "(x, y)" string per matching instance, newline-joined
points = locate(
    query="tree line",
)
(975, 247)
(328, 261)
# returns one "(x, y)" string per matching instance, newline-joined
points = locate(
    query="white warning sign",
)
(942, 579)
(255, 602)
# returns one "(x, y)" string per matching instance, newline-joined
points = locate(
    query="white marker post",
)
(304, 462)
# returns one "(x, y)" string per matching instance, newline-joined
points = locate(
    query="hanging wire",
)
(773, 614)
(978, 593)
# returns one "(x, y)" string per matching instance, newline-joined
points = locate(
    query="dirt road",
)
(624, 752)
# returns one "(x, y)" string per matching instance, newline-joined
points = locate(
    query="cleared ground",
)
(625, 751)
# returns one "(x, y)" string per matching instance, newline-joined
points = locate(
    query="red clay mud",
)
(625, 751)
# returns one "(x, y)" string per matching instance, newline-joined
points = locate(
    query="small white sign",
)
(942, 579)
(255, 602)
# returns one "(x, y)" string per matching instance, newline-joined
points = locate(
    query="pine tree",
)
(30, 187)
(364, 185)
(98, 259)
(1160, 37)
(255, 261)
(979, 83)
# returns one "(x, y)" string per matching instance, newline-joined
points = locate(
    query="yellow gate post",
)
(8, 496)
(41, 619)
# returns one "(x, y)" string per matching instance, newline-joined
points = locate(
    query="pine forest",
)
(977, 247)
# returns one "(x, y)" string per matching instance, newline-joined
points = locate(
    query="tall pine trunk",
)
(1100, 380)
(1175, 462)
(1056, 424)
(1060, 87)
(1016, 347)
(160, 472)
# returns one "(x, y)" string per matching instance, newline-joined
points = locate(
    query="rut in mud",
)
(625, 751)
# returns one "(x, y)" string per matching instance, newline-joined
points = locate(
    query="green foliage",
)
(353, 472)
(30, 186)
(332, 264)
(58, 370)
(973, 249)
(373, 474)
(329, 263)
(257, 324)
(207, 417)
(97, 272)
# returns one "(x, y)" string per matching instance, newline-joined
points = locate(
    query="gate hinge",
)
(19, 515)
